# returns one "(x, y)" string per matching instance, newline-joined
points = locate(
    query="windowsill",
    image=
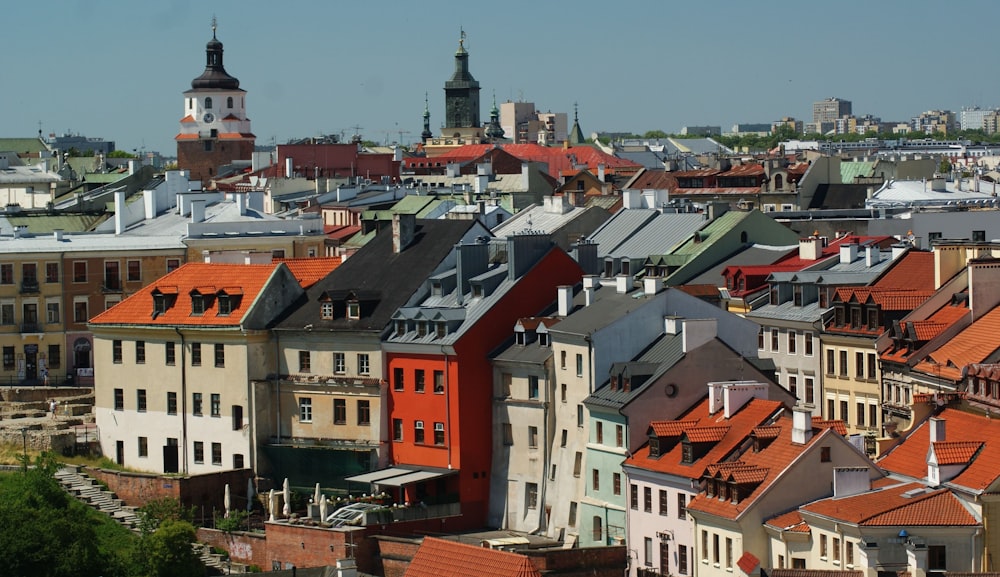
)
(823, 558)
(309, 422)
(837, 563)
(729, 569)
(704, 561)
(716, 565)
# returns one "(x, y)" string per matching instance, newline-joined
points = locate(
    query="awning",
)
(377, 476)
(413, 477)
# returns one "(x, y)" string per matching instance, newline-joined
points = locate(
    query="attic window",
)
(197, 304)
(626, 384)
(543, 339)
(519, 337)
(687, 453)
(353, 310)
(225, 305)
(441, 329)
(654, 447)
(421, 328)
(159, 304)
(477, 291)
(400, 325)
(326, 310)
(614, 382)
(436, 288)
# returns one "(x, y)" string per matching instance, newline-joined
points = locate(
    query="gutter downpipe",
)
(543, 522)
(183, 409)
(447, 402)
(277, 383)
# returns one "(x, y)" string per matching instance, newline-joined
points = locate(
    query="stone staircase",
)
(80, 485)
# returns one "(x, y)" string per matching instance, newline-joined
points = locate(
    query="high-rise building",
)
(215, 129)
(830, 110)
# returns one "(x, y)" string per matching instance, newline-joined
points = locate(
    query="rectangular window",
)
(134, 271)
(681, 506)
(599, 433)
(195, 354)
(305, 409)
(843, 363)
(199, 452)
(532, 387)
(112, 275)
(173, 264)
(197, 305)
(340, 411)
(596, 480)
(859, 365)
(439, 434)
(140, 352)
(793, 383)
(663, 501)
(397, 430)
(807, 339)
(831, 407)
(577, 463)
(843, 411)
(873, 416)
(216, 453)
(774, 340)
(196, 404)
(52, 312)
(305, 362)
(51, 272)
(792, 335)
(326, 310)
(572, 513)
(729, 554)
(119, 399)
(439, 382)
(364, 413)
(215, 404)
(80, 271)
(508, 434)
(562, 356)
(715, 548)
(80, 314)
(633, 496)
(810, 394)
(339, 363)
(565, 435)
(237, 411)
(55, 356)
(860, 415)
(647, 551)
(238, 461)
(562, 386)
(830, 365)
(872, 366)
(579, 365)
(143, 447)
(533, 437)
(619, 436)
(760, 338)
(6, 273)
(836, 550)
(824, 454)
(364, 368)
(531, 495)
(397, 379)
(682, 560)
(220, 355)
(171, 403)
(418, 432)
(704, 545)
(7, 314)
(823, 551)
(418, 380)
(849, 553)
(140, 400)
(647, 499)
(170, 354)
(116, 351)
(579, 415)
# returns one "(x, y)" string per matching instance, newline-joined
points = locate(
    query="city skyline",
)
(117, 71)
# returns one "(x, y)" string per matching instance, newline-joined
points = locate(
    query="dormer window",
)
(436, 288)
(774, 295)
(197, 304)
(873, 319)
(159, 304)
(654, 448)
(400, 326)
(687, 453)
(614, 382)
(477, 291)
(421, 328)
(797, 295)
(519, 337)
(543, 339)
(225, 305)
(326, 310)
(441, 329)
(353, 310)
(839, 316)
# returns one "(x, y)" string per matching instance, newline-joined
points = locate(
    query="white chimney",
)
(623, 283)
(872, 256)
(589, 294)
(810, 248)
(736, 394)
(57, 234)
(899, 249)
(848, 253)
(149, 203)
(452, 170)
(241, 203)
(801, 424)
(133, 167)
(347, 568)
(119, 211)
(591, 281)
(631, 198)
(849, 481)
(564, 299)
(197, 211)
(936, 430)
(289, 166)
(652, 285)
(673, 325)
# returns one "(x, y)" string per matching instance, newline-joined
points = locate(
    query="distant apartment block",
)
(523, 124)
(942, 121)
(81, 144)
(830, 110)
(701, 131)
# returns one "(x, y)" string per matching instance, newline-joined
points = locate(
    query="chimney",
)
(524, 176)
(586, 257)
(716, 398)
(288, 167)
(811, 247)
(936, 430)
(736, 394)
(452, 170)
(673, 325)
(481, 184)
(485, 168)
(197, 211)
(801, 424)
(600, 172)
(652, 285)
(347, 568)
(899, 249)
(133, 167)
(564, 299)
(119, 211)
(241, 203)
(848, 253)
(849, 481)
(698, 332)
(472, 260)
(623, 283)
(589, 294)
(403, 228)
(149, 203)
(57, 234)
(631, 198)
(872, 256)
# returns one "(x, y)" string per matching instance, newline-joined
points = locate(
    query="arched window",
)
(81, 353)
(208, 102)
(229, 102)
(743, 237)
(777, 182)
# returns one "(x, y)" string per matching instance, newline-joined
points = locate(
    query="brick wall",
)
(245, 548)
(395, 555)
(206, 492)
(590, 561)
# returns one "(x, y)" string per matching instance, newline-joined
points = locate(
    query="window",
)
(810, 394)
(872, 366)
(119, 399)
(596, 479)
(579, 415)
(978, 235)
(364, 367)
(823, 552)
(531, 495)
(171, 403)
(577, 463)
(598, 531)
(599, 432)
(572, 513)
(830, 366)
(579, 365)
(824, 454)
(807, 339)
(340, 411)
(663, 501)
(633, 496)
(116, 351)
(439, 434)
(79, 271)
(220, 355)
(170, 353)
(681, 506)
(195, 354)
(305, 409)
(215, 404)
(353, 310)
(397, 379)
(225, 305)
(143, 447)
(197, 304)
(860, 415)
(397, 429)
(418, 432)
(55, 356)
(562, 387)
(51, 272)
(647, 551)
(562, 359)
(508, 434)
(7, 314)
(418, 380)
(937, 559)
(339, 363)
(532, 387)
(199, 452)
(305, 362)
(619, 436)
(6, 273)
(229, 102)
(52, 312)
(364, 413)
(715, 549)
(326, 310)
(849, 553)
(647, 499)
(196, 404)
(760, 338)
(133, 271)
(843, 363)
(774, 339)
(533, 437)
(791, 342)
(793, 382)
(564, 437)
(238, 461)
(216, 453)
(836, 550)
(112, 275)
(704, 545)
(140, 352)
(873, 416)
(859, 365)
(140, 400)
(843, 411)
(439, 382)
(682, 560)
(237, 412)
(173, 264)
(616, 483)
(729, 554)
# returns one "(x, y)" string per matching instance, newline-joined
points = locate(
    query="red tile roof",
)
(902, 504)
(707, 434)
(751, 169)
(308, 271)
(188, 119)
(956, 452)
(974, 344)
(672, 428)
(748, 562)
(558, 159)
(654, 179)
(927, 329)
(791, 521)
(186, 137)
(913, 271)
(889, 299)
(195, 276)
(835, 424)
(909, 457)
(442, 558)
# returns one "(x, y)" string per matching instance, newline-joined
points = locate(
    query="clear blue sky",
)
(116, 70)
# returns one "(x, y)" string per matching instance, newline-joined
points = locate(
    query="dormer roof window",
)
(326, 310)
(225, 305)
(197, 304)
(441, 329)
(654, 448)
(421, 328)
(353, 309)
(159, 304)
(543, 339)
(400, 327)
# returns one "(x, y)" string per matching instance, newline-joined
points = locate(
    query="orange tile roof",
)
(707, 434)
(672, 428)
(752, 169)
(956, 452)
(442, 558)
(909, 457)
(748, 475)
(186, 137)
(138, 308)
(791, 521)
(914, 271)
(188, 119)
(835, 424)
(927, 329)
(974, 344)
(309, 271)
(766, 432)
(235, 135)
(891, 506)
(887, 299)
(748, 562)
(755, 413)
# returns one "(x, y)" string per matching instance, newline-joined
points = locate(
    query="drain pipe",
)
(277, 382)
(183, 409)
(447, 402)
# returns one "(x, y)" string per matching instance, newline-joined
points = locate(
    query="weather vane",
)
(214, 25)
(461, 37)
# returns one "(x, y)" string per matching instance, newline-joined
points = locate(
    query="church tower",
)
(426, 134)
(215, 129)
(461, 94)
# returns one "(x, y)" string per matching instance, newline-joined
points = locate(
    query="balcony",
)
(31, 327)
(111, 285)
(29, 286)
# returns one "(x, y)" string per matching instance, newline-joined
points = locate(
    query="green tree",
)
(167, 552)
(655, 134)
(158, 511)
(121, 154)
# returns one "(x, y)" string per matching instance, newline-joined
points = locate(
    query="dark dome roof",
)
(215, 75)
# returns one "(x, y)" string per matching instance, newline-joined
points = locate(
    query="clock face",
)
(209, 117)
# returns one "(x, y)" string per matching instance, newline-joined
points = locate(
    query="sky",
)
(117, 70)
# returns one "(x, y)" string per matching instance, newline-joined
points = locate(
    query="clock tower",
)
(215, 129)
(461, 95)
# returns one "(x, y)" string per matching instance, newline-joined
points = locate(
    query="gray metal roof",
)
(532, 353)
(665, 351)
(753, 255)
(87, 242)
(619, 228)
(535, 217)
(787, 311)
(608, 306)
(659, 235)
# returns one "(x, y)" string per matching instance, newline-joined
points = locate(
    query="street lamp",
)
(24, 438)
